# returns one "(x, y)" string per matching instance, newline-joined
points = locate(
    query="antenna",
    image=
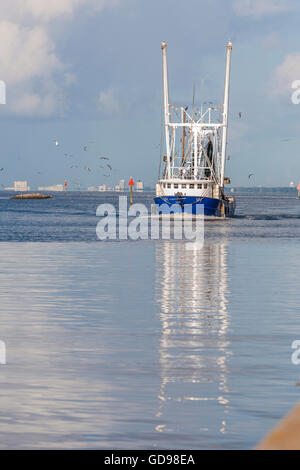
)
(194, 91)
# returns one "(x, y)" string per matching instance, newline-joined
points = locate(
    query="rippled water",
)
(146, 344)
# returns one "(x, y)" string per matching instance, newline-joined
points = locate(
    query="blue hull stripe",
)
(188, 204)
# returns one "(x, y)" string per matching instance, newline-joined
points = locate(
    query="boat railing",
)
(202, 173)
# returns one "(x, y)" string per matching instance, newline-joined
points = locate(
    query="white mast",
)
(166, 104)
(225, 112)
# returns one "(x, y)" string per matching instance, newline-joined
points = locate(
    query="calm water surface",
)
(146, 345)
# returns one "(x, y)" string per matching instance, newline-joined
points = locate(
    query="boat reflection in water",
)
(192, 297)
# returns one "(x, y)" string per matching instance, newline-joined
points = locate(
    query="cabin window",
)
(175, 186)
(205, 186)
(199, 186)
(192, 186)
(169, 185)
(183, 186)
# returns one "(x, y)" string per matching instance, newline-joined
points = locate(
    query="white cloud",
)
(29, 65)
(108, 103)
(29, 62)
(260, 8)
(285, 74)
(26, 53)
(34, 104)
(48, 10)
(54, 8)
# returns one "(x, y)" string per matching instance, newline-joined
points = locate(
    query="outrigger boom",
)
(225, 110)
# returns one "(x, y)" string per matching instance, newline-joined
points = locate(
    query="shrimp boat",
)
(192, 171)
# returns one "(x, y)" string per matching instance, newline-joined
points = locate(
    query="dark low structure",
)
(32, 196)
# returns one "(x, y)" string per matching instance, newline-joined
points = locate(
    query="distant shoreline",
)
(237, 189)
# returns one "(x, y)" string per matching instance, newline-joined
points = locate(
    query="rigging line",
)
(161, 137)
(183, 137)
(208, 162)
(201, 92)
(194, 91)
(189, 148)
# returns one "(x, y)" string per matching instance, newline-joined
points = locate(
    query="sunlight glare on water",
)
(146, 344)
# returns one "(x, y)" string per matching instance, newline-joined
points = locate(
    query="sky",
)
(89, 72)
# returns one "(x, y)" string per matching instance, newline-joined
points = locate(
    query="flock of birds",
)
(107, 166)
(105, 162)
(84, 148)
